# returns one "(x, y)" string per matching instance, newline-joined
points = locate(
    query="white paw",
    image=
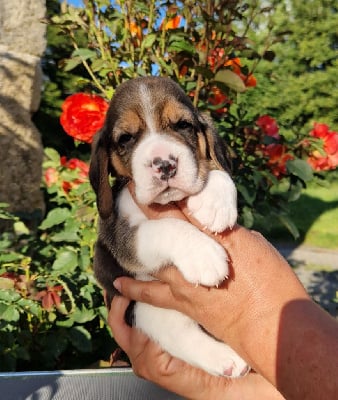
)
(202, 260)
(215, 207)
(222, 360)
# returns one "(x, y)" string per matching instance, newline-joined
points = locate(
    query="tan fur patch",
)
(119, 166)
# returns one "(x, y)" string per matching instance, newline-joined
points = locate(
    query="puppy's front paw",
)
(202, 261)
(215, 206)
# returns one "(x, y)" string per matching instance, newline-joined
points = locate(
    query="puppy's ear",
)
(99, 174)
(215, 147)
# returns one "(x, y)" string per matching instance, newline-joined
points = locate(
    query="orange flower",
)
(217, 97)
(318, 161)
(235, 64)
(172, 23)
(277, 158)
(250, 81)
(135, 30)
(83, 115)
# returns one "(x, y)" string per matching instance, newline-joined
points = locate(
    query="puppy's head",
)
(154, 136)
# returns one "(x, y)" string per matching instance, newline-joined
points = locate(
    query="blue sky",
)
(74, 2)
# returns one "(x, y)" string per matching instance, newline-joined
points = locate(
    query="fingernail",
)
(117, 285)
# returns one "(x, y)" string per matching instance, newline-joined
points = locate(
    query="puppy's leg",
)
(183, 338)
(152, 244)
(107, 269)
(169, 241)
(216, 205)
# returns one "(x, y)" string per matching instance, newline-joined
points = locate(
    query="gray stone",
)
(22, 42)
(21, 29)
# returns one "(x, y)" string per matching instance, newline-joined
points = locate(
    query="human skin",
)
(262, 311)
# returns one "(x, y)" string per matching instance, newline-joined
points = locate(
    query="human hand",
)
(150, 362)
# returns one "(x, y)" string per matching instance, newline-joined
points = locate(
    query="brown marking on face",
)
(128, 123)
(173, 111)
(119, 166)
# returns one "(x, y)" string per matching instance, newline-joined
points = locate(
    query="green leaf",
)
(81, 339)
(83, 315)
(181, 45)
(286, 221)
(66, 261)
(72, 63)
(281, 187)
(65, 236)
(85, 54)
(6, 283)
(247, 216)
(295, 191)
(248, 197)
(301, 169)
(10, 313)
(53, 155)
(55, 217)
(232, 80)
(148, 41)
(30, 306)
(20, 228)
(67, 323)
(9, 296)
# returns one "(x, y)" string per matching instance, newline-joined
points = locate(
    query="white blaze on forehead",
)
(148, 106)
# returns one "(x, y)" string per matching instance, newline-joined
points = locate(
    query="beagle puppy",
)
(155, 137)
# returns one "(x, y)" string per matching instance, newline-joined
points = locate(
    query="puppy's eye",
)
(125, 139)
(183, 125)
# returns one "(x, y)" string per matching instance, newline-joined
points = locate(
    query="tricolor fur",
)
(154, 136)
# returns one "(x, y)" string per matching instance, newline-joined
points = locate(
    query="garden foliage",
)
(51, 310)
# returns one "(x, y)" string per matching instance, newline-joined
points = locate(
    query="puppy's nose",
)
(165, 168)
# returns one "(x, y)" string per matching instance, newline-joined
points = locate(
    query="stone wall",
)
(22, 42)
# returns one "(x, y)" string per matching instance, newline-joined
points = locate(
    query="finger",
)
(155, 292)
(121, 331)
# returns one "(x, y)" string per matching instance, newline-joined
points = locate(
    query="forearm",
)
(296, 350)
(307, 353)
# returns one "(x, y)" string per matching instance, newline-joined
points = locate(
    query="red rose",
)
(74, 163)
(268, 125)
(277, 158)
(318, 161)
(83, 115)
(81, 166)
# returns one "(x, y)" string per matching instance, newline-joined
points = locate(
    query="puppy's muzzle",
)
(164, 169)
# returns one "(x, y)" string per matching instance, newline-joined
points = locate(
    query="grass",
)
(315, 214)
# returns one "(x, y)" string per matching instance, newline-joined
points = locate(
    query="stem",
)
(89, 70)
(69, 294)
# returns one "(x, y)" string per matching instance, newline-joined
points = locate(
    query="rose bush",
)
(51, 310)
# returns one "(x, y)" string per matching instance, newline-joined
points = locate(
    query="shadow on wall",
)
(20, 142)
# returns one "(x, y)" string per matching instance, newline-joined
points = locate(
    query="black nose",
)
(166, 168)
